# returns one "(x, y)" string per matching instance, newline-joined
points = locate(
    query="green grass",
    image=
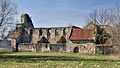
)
(57, 60)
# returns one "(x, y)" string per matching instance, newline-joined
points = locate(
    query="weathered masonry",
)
(91, 39)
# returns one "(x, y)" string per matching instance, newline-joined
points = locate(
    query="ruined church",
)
(93, 38)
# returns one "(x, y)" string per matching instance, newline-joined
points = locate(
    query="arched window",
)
(49, 31)
(56, 32)
(65, 31)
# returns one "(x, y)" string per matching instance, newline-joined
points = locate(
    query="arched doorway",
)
(76, 50)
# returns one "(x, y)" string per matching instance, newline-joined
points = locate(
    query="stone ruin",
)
(74, 39)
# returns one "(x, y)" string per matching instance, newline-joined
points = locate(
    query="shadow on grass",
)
(32, 58)
(5, 53)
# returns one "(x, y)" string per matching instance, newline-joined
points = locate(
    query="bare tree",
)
(99, 16)
(108, 17)
(116, 29)
(8, 9)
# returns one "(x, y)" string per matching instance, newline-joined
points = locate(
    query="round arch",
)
(76, 50)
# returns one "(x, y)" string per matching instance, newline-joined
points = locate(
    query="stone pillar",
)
(13, 45)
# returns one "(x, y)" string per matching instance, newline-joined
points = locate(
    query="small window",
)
(40, 32)
(31, 32)
(105, 35)
(56, 32)
(17, 29)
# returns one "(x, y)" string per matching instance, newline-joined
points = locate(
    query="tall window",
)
(64, 32)
(49, 31)
(40, 32)
(31, 32)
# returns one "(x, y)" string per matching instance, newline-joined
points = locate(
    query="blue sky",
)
(56, 13)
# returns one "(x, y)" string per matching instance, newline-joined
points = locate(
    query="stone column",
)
(13, 45)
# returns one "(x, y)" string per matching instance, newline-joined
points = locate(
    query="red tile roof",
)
(81, 34)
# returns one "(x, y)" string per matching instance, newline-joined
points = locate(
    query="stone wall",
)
(41, 47)
(27, 47)
(103, 49)
(82, 46)
(85, 48)
(58, 47)
(51, 34)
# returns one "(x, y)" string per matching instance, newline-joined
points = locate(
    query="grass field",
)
(57, 60)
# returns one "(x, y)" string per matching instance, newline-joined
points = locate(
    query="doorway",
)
(76, 50)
